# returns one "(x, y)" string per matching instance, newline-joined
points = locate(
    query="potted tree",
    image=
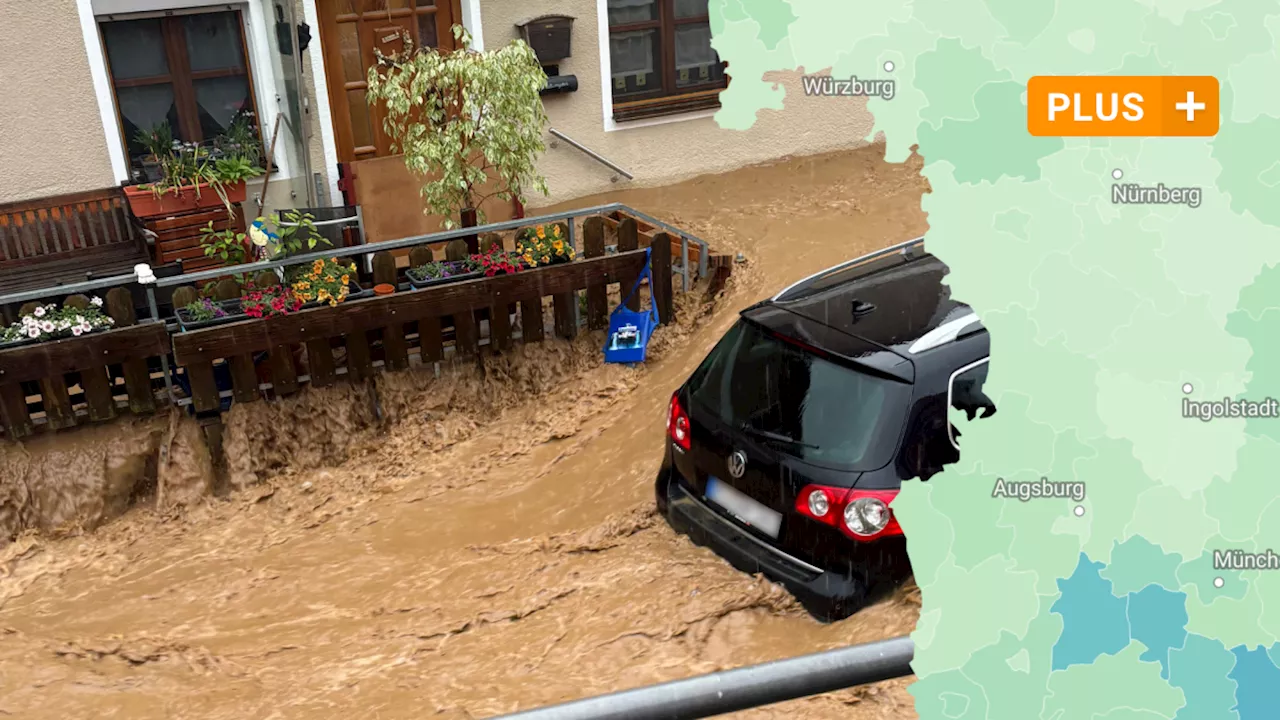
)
(466, 122)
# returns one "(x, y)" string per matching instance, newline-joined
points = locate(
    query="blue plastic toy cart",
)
(629, 331)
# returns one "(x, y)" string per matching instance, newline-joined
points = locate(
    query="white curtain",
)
(622, 12)
(693, 46)
(631, 53)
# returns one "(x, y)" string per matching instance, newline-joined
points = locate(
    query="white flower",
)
(46, 326)
(64, 324)
(28, 321)
(85, 327)
(96, 302)
(79, 320)
(33, 332)
(39, 312)
(76, 331)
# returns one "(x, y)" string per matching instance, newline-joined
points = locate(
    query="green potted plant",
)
(327, 280)
(544, 245)
(466, 122)
(196, 176)
(206, 312)
(158, 142)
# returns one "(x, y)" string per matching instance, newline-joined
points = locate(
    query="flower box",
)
(144, 203)
(230, 309)
(354, 292)
(426, 283)
(455, 269)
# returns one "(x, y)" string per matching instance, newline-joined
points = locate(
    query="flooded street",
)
(491, 549)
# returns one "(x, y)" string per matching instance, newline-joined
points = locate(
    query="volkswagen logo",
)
(737, 463)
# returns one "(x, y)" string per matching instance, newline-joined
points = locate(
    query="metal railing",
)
(743, 688)
(593, 155)
(369, 249)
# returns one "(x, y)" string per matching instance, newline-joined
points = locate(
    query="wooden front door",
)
(350, 31)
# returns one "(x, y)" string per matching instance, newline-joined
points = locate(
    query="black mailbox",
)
(549, 37)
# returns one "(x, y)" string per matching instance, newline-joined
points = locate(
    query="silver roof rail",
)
(943, 334)
(906, 248)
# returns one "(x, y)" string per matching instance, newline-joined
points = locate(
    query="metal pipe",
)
(322, 223)
(743, 688)
(72, 289)
(592, 154)
(684, 263)
(164, 358)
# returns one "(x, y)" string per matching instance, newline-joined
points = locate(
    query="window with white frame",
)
(184, 76)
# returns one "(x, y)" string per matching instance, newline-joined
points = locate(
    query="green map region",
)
(1106, 319)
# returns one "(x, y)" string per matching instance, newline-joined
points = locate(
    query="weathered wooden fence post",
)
(204, 388)
(661, 287)
(284, 374)
(565, 304)
(628, 239)
(430, 345)
(53, 392)
(394, 348)
(95, 381)
(597, 292)
(244, 378)
(137, 378)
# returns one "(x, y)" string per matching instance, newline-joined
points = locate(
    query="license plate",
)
(744, 508)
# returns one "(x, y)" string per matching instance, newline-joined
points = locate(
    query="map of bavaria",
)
(1123, 334)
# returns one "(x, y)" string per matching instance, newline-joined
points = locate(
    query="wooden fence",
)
(95, 376)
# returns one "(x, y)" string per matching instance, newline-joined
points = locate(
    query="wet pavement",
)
(490, 549)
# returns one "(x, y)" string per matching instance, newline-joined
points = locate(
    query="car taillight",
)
(859, 514)
(678, 424)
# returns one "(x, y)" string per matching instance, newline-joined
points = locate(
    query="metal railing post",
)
(684, 263)
(577, 315)
(164, 359)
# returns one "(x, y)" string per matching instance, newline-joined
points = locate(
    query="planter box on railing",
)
(144, 202)
(425, 282)
(230, 309)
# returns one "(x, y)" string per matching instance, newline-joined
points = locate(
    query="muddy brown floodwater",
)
(493, 548)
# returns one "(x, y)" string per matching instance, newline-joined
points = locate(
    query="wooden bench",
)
(68, 239)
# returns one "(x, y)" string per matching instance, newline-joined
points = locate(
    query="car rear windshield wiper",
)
(778, 437)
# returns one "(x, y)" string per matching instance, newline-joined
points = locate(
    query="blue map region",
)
(1158, 619)
(1258, 684)
(1094, 621)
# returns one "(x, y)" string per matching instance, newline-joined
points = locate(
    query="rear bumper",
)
(827, 594)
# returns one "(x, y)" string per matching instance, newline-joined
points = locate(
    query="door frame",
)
(470, 18)
(335, 82)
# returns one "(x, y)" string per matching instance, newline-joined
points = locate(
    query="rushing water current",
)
(489, 546)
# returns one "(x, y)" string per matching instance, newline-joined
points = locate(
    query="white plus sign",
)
(1190, 106)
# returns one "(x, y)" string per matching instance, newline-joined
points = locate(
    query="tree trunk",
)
(469, 220)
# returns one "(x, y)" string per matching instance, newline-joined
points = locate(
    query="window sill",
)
(661, 107)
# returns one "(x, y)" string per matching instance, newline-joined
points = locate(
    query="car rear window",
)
(838, 417)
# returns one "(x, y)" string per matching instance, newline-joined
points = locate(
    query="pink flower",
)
(76, 331)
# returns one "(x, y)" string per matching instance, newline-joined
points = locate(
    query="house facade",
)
(648, 83)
